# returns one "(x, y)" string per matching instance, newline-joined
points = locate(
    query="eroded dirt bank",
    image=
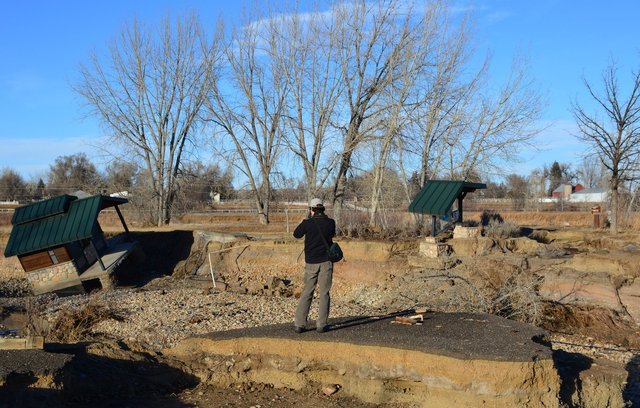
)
(450, 360)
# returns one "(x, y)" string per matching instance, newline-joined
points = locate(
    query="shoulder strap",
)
(321, 234)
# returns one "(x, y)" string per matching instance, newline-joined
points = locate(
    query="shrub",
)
(502, 230)
(518, 299)
(490, 215)
(512, 294)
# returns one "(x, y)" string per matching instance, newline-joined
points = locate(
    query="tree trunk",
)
(262, 202)
(378, 177)
(338, 198)
(341, 185)
(614, 205)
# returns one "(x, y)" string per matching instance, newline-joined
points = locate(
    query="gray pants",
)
(322, 275)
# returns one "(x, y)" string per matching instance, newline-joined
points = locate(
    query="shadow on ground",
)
(163, 251)
(343, 323)
(631, 392)
(96, 381)
(569, 366)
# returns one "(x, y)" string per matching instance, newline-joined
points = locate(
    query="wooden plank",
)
(25, 343)
(35, 261)
(62, 254)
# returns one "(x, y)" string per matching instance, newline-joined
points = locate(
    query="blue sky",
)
(42, 44)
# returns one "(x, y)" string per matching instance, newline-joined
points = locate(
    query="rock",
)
(275, 283)
(434, 250)
(330, 389)
(466, 232)
(238, 288)
(467, 246)
(523, 245)
(220, 286)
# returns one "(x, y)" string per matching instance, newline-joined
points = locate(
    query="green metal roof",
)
(437, 196)
(42, 209)
(43, 226)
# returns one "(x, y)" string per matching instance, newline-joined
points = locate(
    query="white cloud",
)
(498, 16)
(24, 83)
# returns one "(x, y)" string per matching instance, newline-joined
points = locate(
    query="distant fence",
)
(247, 211)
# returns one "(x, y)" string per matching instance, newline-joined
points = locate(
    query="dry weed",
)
(512, 294)
(518, 299)
(77, 324)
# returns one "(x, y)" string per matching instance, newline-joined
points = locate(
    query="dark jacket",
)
(315, 250)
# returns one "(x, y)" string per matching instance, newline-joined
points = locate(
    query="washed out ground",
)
(168, 302)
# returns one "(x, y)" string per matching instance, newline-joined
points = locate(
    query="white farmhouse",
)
(589, 195)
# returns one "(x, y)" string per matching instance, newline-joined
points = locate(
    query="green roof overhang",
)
(437, 196)
(55, 222)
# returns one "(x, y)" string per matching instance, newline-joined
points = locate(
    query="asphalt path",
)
(458, 335)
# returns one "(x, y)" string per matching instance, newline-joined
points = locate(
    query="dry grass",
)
(556, 218)
(546, 218)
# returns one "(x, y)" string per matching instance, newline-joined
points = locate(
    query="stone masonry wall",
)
(52, 275)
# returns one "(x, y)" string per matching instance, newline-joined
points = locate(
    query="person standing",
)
(318, 231)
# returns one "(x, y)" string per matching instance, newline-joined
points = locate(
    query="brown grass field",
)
(283, 224)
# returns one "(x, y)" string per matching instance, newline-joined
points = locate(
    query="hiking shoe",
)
(322, 329)
(299, 329)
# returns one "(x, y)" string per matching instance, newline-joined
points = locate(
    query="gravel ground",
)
(14, 287)
(162, 314)
(168, 310)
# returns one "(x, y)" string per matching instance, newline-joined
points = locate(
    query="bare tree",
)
(613, 132)
(590, 172)
(445, 95)
(375, 41)
(537, 187)
(72, 173)
(315, 86)
(121, 175)
(393, 123)
(12, 185)
(150, 93)
(249, 108)
(198, 183)
(559, 173)
(496, 127)
(518, 190)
